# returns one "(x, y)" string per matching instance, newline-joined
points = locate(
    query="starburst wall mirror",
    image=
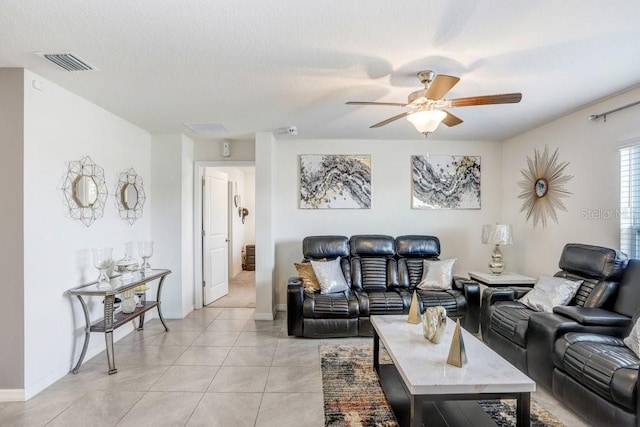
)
(543, 187)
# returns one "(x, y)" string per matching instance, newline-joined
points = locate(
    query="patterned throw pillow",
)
(330, 276)
(309, 279)
(437, 275)
(549, 292)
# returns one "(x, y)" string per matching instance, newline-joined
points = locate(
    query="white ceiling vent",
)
(210, 127)
(68, 61)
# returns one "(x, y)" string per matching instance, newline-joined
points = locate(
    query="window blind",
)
(630, 200)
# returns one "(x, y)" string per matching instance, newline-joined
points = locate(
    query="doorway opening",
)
(225, 235)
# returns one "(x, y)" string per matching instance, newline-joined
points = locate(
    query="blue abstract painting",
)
(446, 182)
(335, 181)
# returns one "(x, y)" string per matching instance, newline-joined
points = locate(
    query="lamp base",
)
(496, 266)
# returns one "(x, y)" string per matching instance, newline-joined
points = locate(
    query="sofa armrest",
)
(575, 337)
(471, 292)
(295, 299)
(593, 316)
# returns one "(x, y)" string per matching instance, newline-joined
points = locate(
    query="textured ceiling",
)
(264, 65)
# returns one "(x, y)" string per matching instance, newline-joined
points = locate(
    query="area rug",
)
(353, 396)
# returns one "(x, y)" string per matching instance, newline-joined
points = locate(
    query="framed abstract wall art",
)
(335, 181)
(445, 182)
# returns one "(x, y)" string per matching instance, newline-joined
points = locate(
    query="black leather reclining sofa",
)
(382, 273)
(577, 351)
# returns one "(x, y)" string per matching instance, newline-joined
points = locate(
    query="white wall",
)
(172, 183)
(12, 229)
(249, 202)
(458, 230)
(212, 150)
(590, 147)
(60, 127)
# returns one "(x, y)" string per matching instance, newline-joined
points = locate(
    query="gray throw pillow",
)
(549, 292)
(330, 276)
(437, 275)
(633, 340)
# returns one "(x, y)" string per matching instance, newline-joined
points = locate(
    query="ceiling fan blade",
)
(392, 119)
(505, 98)
(395, 104)
(451, 120)
(441, 85)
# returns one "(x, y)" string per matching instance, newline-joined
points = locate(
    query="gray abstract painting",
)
(446, 182)
(333, 181)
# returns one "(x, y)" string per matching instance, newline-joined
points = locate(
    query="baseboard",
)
(263, 316)
(12, 395)
(281, 307)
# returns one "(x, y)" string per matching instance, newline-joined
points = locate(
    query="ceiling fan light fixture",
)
(426, 121)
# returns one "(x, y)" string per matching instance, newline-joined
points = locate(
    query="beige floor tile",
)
(40, 409)
(296, 355)
(263, 326)
(255, 339)
(294, 379)
(240, 380)
(237, 313)
(302, 409)
(159, 409)
(226, 410)
(141, 337)
(96, 377)
(203, 355)
(131, 354)
(216, 339)
(174, 337)
(225, 325)
(198, 323)
(186, 378)
(97, 408)
(205, 312)
(250, 356)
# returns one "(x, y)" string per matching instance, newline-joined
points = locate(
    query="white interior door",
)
(215, 236)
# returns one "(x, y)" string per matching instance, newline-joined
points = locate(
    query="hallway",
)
(242, 292)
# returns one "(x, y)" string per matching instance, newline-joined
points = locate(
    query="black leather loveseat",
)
(577, 351)
(382, 273)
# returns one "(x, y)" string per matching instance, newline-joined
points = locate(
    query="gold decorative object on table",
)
(414, 310)
(434, 322)
(457, 354)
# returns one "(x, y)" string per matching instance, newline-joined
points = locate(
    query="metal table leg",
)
(376, 352)
(87, 334)
(108, 331)
(159, 303)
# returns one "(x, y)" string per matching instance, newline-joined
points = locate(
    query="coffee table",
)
(433, 387)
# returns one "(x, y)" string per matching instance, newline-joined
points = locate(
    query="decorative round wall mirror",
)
(84, 190)
(130, 196)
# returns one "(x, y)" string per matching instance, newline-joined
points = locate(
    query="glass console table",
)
(110, 322)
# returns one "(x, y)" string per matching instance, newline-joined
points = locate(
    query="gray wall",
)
(12, 228)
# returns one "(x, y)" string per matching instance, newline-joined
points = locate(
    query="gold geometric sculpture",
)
(414, 310)
(543, 187)
(457, 354)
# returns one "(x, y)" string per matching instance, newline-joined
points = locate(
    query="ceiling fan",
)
(427, 106)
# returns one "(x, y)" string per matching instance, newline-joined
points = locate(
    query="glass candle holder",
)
(102, 260)
(145, 250)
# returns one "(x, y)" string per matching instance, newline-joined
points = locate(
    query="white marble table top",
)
(505, 278)
(423, 365)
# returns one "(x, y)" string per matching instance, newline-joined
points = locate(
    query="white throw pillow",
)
(330, 276)
(633, 340)
(549, 292)
(437, 275)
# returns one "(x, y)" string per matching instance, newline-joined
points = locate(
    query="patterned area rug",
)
(353, 396)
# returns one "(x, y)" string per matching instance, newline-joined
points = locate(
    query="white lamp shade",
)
(426, 121)
(497, 234)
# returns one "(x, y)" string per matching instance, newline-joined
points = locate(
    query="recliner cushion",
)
(511, 320)
(385, 303)
(605, 367)
(452, 300)
(338, 305)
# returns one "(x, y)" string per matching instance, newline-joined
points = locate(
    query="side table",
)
(111, 320)
(500, 280)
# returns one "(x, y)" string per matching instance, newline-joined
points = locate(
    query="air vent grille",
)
(209, 127)
(68, 61)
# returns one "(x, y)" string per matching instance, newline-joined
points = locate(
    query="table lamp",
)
(496, 234)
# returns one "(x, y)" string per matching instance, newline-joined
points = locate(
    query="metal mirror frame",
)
(76, 170)
(126, 212)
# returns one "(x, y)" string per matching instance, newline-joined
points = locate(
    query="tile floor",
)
(216, 367)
